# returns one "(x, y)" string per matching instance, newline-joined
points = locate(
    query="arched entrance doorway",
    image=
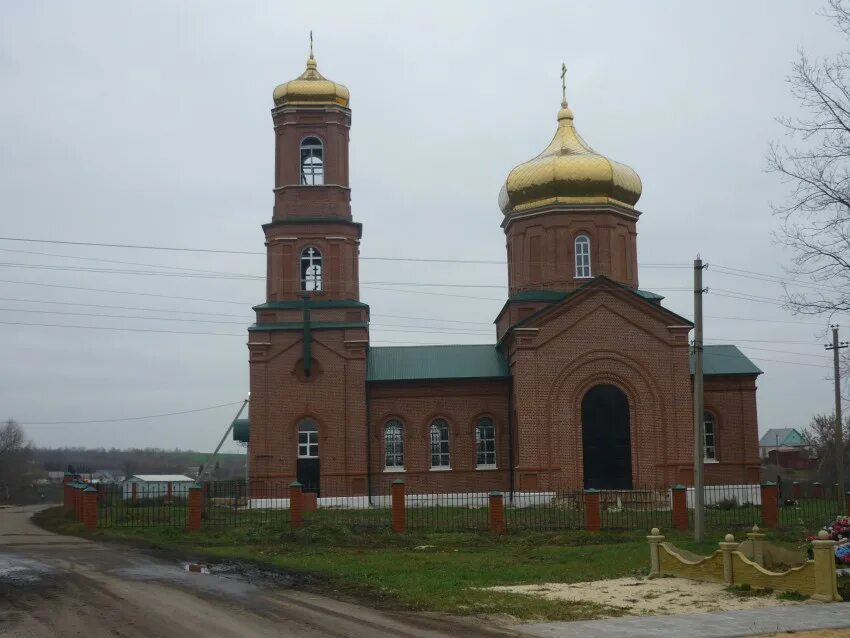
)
(606, 439)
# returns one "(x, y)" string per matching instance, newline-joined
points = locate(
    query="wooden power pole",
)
(699, 408)
(839, 430)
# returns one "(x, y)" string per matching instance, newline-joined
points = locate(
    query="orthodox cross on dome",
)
(563, 82)
(311, 43)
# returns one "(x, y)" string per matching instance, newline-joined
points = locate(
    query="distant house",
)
(780, 440)
(156, 486)
(55, 477)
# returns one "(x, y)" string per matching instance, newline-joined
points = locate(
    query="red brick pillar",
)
(169, 491)
(796, 490)
(296, 507)
(398, 506)
(66, 491)
(847, 501)
(195, 507)
(77, 498)
(769, 504)
(497, 513)
(818, 490)
(89, 499)
(592, 511)
(680, 507)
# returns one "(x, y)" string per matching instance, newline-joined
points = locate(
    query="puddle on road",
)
(253, 574)
(17, 570)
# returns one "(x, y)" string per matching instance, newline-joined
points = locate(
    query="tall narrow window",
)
(485, 443)
(308, 440)
(393, 446)
(582, 256)
(439, 444)
(311, 269)
(312, 164)
(710, 436)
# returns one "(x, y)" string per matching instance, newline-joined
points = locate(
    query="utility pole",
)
(839, 434)
(699, 408)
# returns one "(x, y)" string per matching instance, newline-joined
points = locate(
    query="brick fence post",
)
(134, 491)
(66, 491)
(818, 489)
(195, 507)
(399, 511)
(77, 498)
(169, 491)
(592, 511)
(769, 504)
(796, 490)
(89, 498)
(296, 507)
(497, 513)
(680, 507)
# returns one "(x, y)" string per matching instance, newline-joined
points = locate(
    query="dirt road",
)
(54, 585)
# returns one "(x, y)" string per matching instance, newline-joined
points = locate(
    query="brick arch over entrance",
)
(648, 416)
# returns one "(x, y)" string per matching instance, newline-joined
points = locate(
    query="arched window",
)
(308, 440)
(710, 436)
(312, 164)
(485, 443)
(311, 269)
(439, 444)
(582, 256)
(393, 446)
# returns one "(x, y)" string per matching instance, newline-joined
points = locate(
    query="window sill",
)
(710, 461)
(394, 470)
(584, 277)
(440, 469)
(486, 467)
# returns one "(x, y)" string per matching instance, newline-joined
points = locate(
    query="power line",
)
(92, 305)
(60, 325)
(132, 418)
(125, 292)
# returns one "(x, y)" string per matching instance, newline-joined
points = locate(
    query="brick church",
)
(588, 383)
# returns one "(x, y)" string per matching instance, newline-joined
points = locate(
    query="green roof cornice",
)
(299, 325)
(315, 304)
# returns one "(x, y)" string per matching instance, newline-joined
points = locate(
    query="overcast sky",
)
(148, 123)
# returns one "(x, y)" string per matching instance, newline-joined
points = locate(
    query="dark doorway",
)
(606, 439)
(307, 466)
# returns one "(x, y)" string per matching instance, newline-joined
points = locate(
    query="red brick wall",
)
(461, 404)
(732, 401)
(542, 247)
(601, 335)
(334, 398)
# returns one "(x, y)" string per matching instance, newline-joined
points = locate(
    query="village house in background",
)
(156, 486)
(785, 448)
(588, 383)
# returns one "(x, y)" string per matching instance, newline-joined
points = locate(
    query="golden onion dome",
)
(568, 171)
(311, 87)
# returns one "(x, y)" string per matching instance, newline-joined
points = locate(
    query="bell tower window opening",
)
(582, 245)
(312, 162)
(311, 269)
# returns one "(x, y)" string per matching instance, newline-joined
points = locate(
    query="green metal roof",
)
(311, 303)
(409, 363)
(721, 360)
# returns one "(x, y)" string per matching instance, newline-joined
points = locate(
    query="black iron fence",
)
(229, 503)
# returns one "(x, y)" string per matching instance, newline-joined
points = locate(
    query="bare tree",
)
(12, 437)
(816, 165)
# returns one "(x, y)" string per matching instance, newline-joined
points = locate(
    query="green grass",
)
(386, 568)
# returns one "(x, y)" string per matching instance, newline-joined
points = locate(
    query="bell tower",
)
(312, 240)
(309, 343)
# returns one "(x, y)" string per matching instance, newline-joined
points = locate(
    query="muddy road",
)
(56, 586)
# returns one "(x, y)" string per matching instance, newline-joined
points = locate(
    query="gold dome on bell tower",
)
(311, 87)
(568, 171)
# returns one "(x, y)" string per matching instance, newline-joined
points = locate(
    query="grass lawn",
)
(387, 568)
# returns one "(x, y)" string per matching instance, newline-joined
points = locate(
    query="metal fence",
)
(228, 503)
(148, 506)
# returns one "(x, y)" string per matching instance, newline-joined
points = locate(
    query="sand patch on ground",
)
(648, 597)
